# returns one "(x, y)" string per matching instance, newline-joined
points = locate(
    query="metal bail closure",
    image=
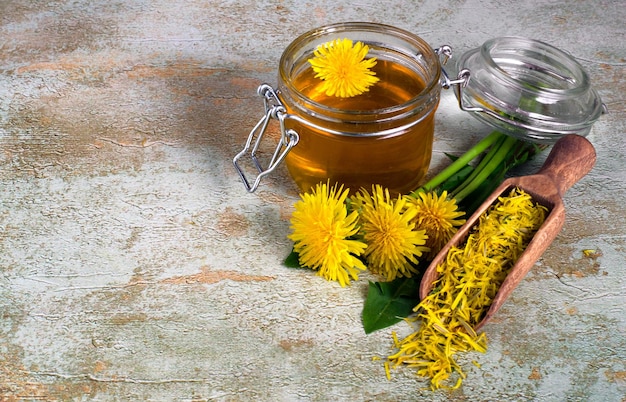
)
(461, 82)
(445, 52)
(274, 109)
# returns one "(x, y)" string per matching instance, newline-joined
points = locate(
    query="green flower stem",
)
(462, 161)
(495, 148)
(484, 170)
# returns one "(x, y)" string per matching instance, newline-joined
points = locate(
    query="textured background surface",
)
(133, 265)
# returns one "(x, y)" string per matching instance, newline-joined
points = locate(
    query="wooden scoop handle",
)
(570, 159)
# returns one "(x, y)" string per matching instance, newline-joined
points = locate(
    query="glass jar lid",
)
(528, 89)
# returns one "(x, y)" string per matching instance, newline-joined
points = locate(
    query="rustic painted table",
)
(134, 266)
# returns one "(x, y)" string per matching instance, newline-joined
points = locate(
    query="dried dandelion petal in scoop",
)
(469, 280)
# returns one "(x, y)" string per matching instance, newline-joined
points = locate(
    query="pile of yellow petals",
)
(341, 64)
(469, 280)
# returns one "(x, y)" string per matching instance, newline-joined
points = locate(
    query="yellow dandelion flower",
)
(387, 227)
(438, 216)
(321, 234)
(343, 68)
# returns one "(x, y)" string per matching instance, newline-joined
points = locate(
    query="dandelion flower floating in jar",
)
(322, 231)
(341, 64)
(388, 229)
(438, 216)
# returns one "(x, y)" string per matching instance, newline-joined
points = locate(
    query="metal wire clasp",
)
(461, 81)
(274, 109)
(445, 53)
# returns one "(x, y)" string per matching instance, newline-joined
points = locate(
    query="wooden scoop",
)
(570, 159)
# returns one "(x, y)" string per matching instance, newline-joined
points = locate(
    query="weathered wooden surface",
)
(135, 266)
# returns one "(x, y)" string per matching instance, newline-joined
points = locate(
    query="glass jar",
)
(528, 89)
(519, 86)
(383, 136)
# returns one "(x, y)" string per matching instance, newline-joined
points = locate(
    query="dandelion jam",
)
(358, 141)
(383, 135)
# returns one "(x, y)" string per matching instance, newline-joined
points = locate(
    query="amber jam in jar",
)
(383, 136)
